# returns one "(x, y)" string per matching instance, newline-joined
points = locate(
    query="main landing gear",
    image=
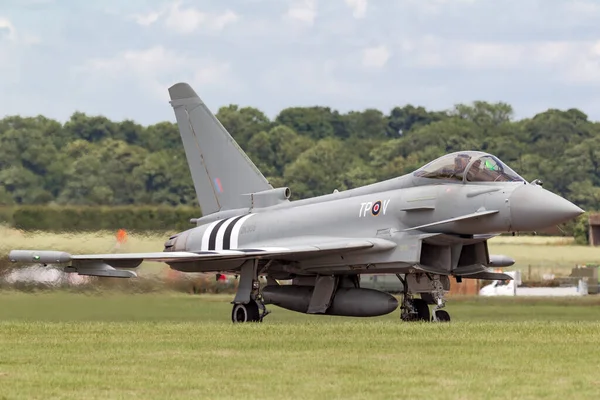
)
(431, 287)
(245, 312)
(248, 305)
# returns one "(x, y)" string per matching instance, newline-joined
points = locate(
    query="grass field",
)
(73, 346)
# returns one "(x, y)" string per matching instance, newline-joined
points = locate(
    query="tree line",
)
(91, 160)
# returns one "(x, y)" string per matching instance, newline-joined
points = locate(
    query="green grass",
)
(157, 346)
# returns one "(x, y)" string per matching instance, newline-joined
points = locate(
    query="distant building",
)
(594, 229)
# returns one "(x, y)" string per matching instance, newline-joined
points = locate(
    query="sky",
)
(117, 58)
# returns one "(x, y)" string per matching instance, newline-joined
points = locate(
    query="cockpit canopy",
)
(470, 166)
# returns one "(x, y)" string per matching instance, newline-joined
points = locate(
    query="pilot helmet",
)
(462, 160)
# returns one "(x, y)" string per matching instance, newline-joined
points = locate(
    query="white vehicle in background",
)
(514, 288)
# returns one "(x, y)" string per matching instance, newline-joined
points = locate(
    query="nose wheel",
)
(442, 316)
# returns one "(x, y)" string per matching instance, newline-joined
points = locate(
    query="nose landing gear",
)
(431, 289)
(442, 316)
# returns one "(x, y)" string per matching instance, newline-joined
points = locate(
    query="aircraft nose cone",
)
(533, 208)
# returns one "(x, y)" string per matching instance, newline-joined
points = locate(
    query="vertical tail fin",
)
(220, 169)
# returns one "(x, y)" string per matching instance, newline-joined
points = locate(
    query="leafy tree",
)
(484, 114)
(161, 136)
(552, 131)
(277, 148)
(103, 174)
(314, 122)
(128, 131)
(403, 119)
(24, 186)
(166, 179)
(320, 169)
(243, 123)
(368, 124)
(92, 129)
(314, 150)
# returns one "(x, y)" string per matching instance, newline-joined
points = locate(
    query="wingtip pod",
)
(181, 91)
(39, 256)
(500, 260)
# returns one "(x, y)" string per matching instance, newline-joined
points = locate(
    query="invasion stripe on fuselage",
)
(206, 235)
(212, 241)
(235, 233)
(223, 234)
(227, 234)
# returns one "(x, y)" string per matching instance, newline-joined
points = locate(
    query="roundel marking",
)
(376, 208)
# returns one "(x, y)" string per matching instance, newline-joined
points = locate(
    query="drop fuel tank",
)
(348, 302)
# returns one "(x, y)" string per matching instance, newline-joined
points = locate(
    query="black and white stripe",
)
(223, 234)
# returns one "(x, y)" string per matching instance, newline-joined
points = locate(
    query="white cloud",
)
(212, 73)
(147, 19)
(490, 55)
(568, 61)
(186, 20)
(9, 32)
(153, 69)
(376, 57)
(436, 6)
(583, 8)
(7, 26)
(359, 8)
(552, 52)
(434, 52)
(534, 54)
(585, 65)
(220, 21)
(146, 62)
(303, 10)
(12, 48)
(309, 79)
(36, 2)
(31, 39)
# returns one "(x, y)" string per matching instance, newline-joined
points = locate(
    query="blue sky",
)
(117, 58)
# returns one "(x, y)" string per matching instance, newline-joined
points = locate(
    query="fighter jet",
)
(424, 227)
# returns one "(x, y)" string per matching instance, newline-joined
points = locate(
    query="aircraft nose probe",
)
(533, 207)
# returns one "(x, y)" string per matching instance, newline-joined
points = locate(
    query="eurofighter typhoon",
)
(424, 227)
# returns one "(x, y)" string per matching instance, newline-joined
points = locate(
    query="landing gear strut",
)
(412, 309)
(432, 291)
(248, 305)
(438, 296)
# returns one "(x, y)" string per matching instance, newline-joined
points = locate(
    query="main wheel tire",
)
(442, 316)
(245, 312)
(422, 310)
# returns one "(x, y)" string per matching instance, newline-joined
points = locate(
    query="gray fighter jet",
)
(424, 227)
